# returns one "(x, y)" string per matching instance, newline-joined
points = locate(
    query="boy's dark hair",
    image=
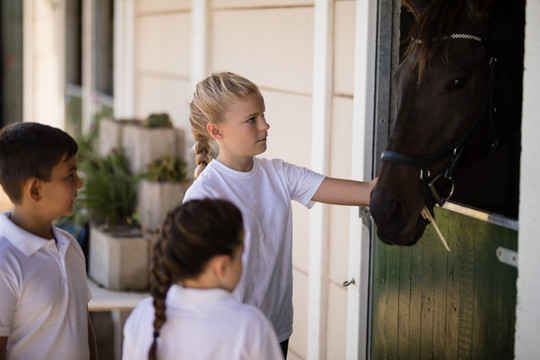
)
(192, 234)
(31, 150)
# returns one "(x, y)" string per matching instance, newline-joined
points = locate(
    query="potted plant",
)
(118, 253)
(162, 188)
(143, 140)
(111, 133)
(150, 139)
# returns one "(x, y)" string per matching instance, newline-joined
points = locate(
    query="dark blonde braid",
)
(192, 234)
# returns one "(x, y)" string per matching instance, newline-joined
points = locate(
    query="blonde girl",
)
(192, 314)
(227, 110)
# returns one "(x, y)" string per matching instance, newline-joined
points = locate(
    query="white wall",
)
(527, 344)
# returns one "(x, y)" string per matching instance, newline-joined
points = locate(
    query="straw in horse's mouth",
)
(427, 215)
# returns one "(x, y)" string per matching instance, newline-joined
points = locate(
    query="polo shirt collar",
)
(191, 299)
(24, 241)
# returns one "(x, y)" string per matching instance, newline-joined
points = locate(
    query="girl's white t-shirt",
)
(201, 324)
(264, 197)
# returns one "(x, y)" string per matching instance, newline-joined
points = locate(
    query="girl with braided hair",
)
(197, 263)
(227, 110)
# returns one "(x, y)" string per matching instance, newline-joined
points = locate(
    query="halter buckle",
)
(441, 200)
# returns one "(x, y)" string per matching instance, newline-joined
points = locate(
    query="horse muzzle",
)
(396, 225)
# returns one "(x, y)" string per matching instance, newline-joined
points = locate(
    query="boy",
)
(43, 288)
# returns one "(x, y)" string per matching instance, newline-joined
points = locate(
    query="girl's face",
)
(242, 133)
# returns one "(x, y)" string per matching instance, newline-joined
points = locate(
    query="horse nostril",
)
(388, 212)
(396, 212)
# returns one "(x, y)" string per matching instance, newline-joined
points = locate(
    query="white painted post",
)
(118, 58)
(320, 140)
(359, 234)
(124, 59)
(43, 72)
(201, 28)
(129, 60)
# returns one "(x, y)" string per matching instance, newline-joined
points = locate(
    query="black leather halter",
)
(456, 148)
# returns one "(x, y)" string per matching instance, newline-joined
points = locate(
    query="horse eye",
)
(456, 84)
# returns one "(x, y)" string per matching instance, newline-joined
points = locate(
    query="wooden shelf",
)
(108, 300)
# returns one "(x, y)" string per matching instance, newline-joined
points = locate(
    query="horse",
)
(458, 89)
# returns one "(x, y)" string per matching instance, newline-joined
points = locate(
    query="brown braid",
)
(160, 284)
(192, 234)
(211, 99)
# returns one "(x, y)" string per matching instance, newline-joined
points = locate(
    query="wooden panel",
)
(162, 5)
(164, 94)
(226, 4)
(344, 23)
(271, 47)
(299, 339)
(163, 44)
(428, 303)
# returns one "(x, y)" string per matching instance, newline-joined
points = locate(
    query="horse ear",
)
(478, 11)
(416, 6)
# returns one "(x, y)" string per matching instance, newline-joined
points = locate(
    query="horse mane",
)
(437, 19)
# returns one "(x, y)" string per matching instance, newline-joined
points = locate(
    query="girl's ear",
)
(221, 265)
(214, 131)
(32, 189)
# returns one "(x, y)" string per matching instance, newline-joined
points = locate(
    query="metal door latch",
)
(507, 256)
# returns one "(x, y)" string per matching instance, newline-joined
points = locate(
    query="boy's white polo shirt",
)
(45, 293)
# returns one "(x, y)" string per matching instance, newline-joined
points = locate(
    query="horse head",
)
(450, 104)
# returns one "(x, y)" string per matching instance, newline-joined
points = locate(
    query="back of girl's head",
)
(31, 150)
(211, 100)
(191, 235)
(195, 232)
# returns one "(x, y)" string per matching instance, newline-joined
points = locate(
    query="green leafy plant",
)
(108, 197)
(157, 121)
(166, 169)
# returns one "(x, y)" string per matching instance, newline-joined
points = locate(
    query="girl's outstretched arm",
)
(344, 192)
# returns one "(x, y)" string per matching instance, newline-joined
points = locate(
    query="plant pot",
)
(155, 199)
(119, 262)
(111, 134)
(144, 145)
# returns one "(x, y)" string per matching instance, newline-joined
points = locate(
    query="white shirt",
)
(264, 197)
(44, 294)
(201, 324)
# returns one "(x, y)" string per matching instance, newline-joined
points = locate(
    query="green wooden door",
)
(427, 303)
